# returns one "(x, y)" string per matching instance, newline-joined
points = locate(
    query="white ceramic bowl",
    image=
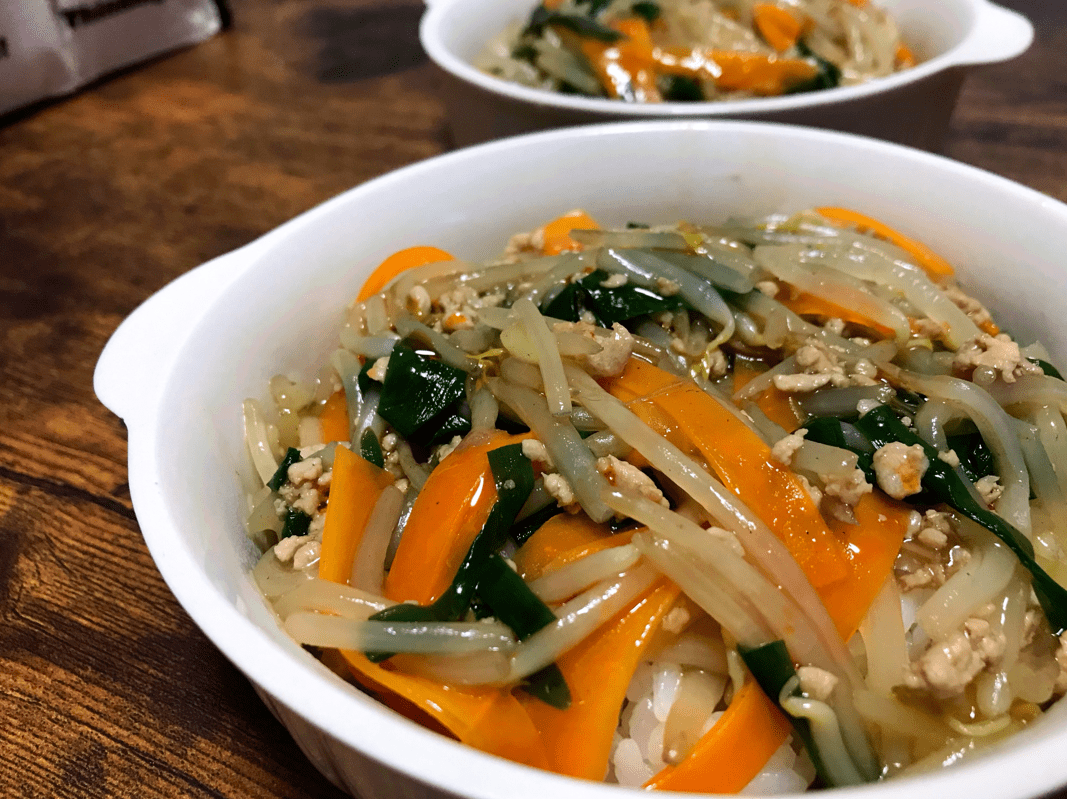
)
(911, 107)
(177, 370)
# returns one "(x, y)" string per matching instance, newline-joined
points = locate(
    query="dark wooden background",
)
(107, 689)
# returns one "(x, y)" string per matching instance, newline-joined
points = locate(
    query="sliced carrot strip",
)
(935, 266)
(608, 541)
(638, 380)
(626, 68)
(489, 719)
(746, 467)
(400, 262)
(598, 671)
(733, 751)
(334, 418)
(557, 233)
(778, 407)
(744, 464)
(559, 535)
(804, 304)
(873, 545)
(761, 74)
(447, 515)
(778, 27)
(354, 489)
(904, 56)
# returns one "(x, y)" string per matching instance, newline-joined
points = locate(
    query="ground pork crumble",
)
(849, 489)
(458, 309)
(932, 551)
(900, 468)
(786, 447)
(629, 479)
(307, 490)
(969, 305)
(996, 357)
(947, 667)
(559, 488)
(817, 366)
(615, 347)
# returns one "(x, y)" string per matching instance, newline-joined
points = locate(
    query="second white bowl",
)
(913, 107)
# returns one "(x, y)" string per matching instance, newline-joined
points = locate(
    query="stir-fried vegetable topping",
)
(676, 50)
(881, 426)
(701, 507)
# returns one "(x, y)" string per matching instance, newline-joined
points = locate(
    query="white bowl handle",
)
(999, 34)
(137, 357)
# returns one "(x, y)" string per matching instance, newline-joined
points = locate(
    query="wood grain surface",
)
(107, 689)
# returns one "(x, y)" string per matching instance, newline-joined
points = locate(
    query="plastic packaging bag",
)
(49, 48)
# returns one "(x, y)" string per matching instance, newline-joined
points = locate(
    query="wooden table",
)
(106, 686)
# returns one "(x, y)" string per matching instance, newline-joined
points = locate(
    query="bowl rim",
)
(296, 680)
(432, 42)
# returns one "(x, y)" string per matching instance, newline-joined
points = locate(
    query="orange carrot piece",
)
(904, 56)
(608, 541)
(334, 418)
(447, 515)
(935, 266)
(765, 75)
(733, 751)
(759, 74)
(746, 467)
(701, 425)
(489, 719)
(638, 380)
(778, 27)
(354, 489)
(804, 304)
(557, 233)
(400, 262)
(559, 535)
(628, 66)
(778, 407)
(873, 545)
(598, 671)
